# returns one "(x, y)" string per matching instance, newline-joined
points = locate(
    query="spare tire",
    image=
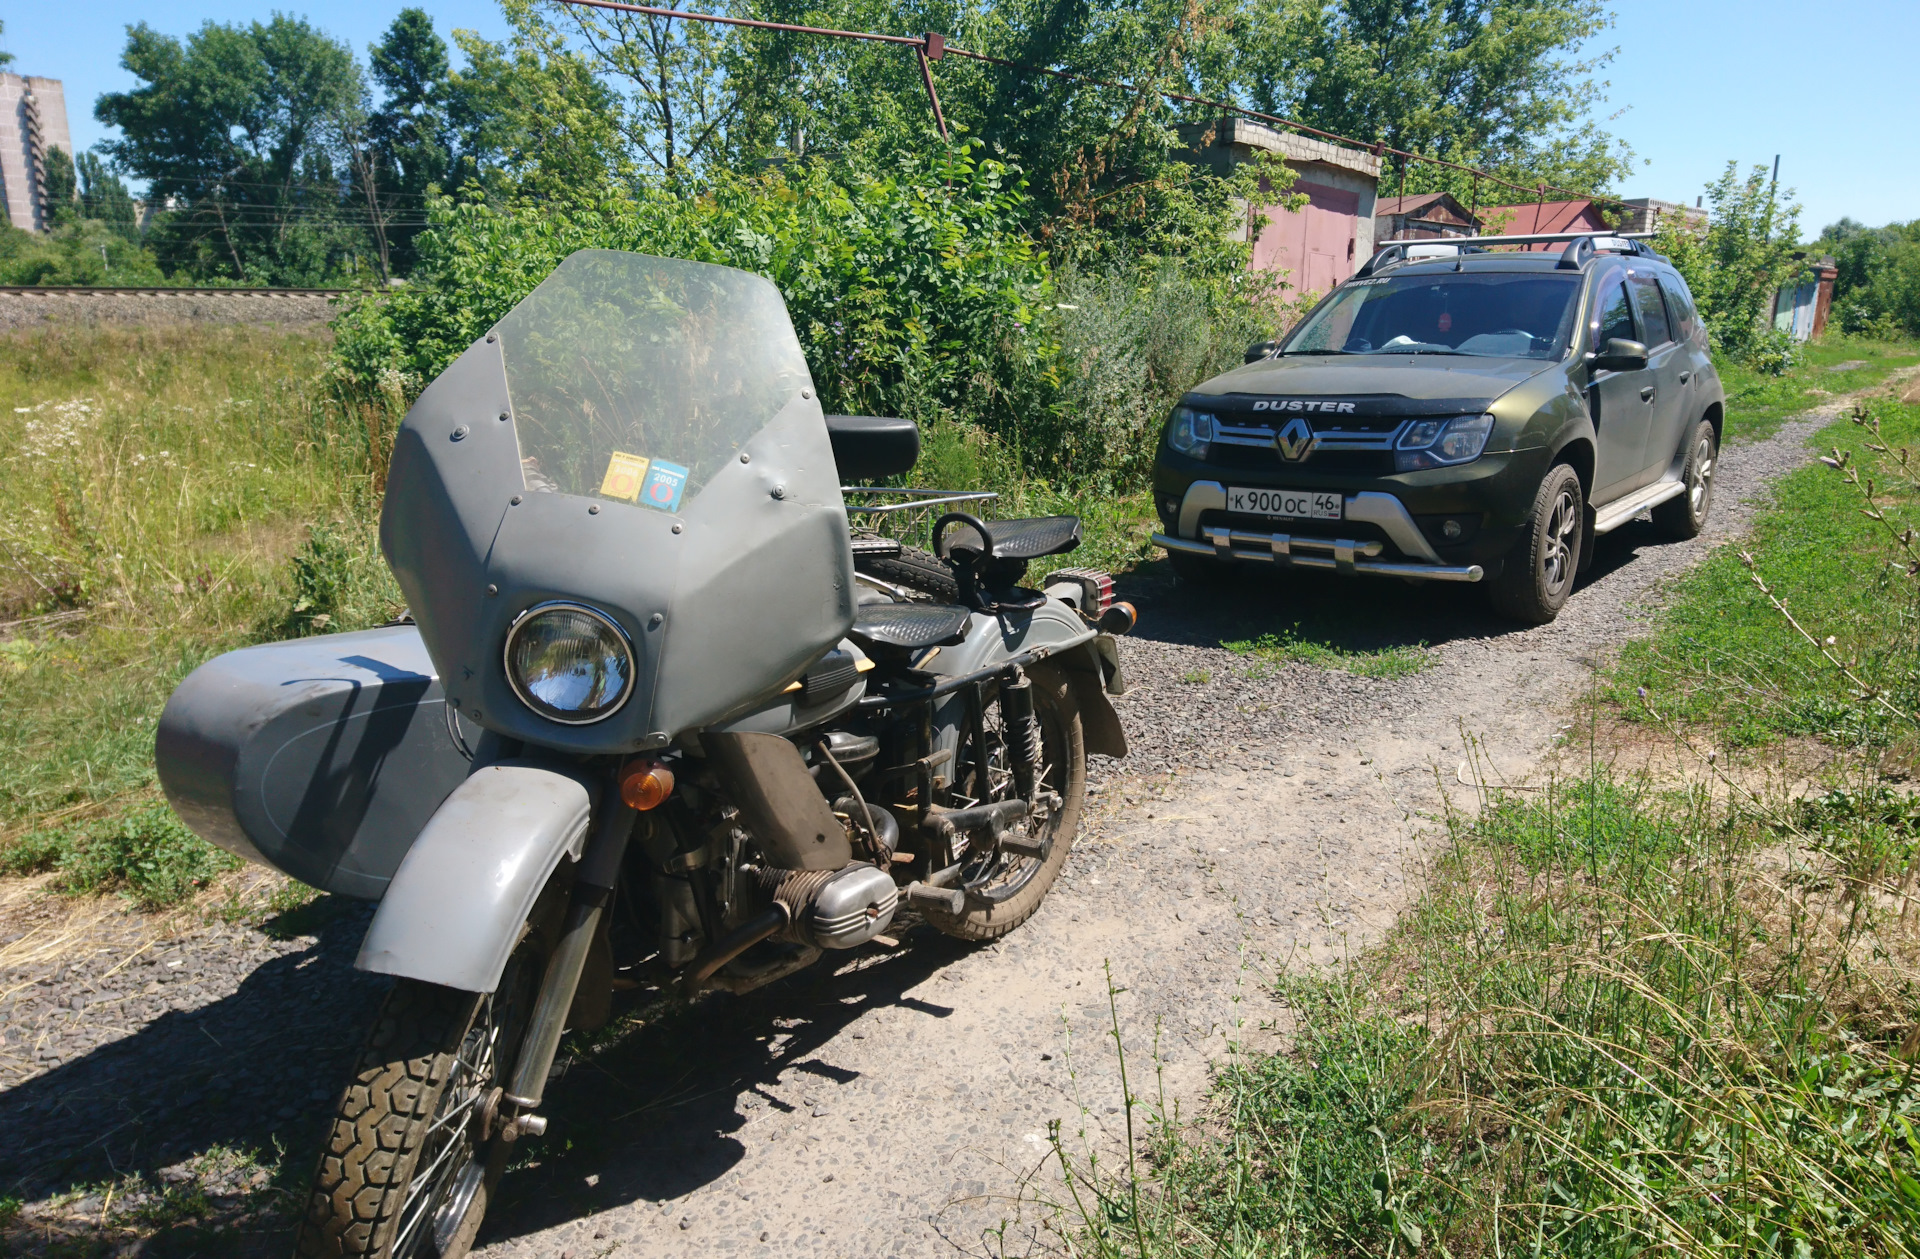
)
(915, 569)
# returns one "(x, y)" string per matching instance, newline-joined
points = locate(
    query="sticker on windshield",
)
(664, 485)
(625, 474)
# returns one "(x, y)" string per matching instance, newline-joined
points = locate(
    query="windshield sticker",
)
(625, 473)
(1360, 284)
(665, 483)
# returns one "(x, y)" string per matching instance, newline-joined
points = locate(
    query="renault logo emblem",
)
(1294, 440)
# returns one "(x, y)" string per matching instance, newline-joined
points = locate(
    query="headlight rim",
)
(1411, 458)
(540, 708)
(1194, 419)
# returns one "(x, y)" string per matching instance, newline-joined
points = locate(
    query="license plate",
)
(1302, 503)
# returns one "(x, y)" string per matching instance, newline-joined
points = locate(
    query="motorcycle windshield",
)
(638, 439)
(638, 378)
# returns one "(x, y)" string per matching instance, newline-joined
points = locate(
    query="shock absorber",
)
(1023, 733)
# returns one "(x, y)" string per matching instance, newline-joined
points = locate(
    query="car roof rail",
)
(1581, 247)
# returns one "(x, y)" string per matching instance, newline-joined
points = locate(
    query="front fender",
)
(454, 909)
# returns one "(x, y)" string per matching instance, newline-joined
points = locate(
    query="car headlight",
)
(569, 663)
(1190, 432)
(1438, 443)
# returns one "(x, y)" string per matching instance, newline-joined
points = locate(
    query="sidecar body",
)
(321, 757)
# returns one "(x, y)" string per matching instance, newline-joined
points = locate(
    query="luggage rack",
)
(1581, 245)
(906, 515)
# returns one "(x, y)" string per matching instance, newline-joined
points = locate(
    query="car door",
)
(1619, 402)
(1670, 364)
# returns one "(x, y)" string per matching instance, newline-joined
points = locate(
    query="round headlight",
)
(569, 663)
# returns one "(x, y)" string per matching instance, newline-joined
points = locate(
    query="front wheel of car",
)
(1539, 572)
(1685, 515)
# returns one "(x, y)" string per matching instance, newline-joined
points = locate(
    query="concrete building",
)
(1648, 214)
(33, 119)
(1422, 216)
(1324, 241)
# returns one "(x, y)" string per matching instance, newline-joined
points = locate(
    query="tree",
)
(1487, 82)
(63, 194)
(6, 58)
(243, 128)
(531, 119)
(405, 149)
(105, 199)
(1737, 265)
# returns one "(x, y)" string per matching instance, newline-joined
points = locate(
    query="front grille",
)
(1355, 445)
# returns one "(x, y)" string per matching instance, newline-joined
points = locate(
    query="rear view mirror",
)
(1260, 349)
(1621, 355)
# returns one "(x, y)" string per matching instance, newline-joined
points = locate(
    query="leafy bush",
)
(914, 287)
(340, 582)
(1877, 290)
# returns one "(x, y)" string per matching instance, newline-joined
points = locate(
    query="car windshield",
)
(1490, 315)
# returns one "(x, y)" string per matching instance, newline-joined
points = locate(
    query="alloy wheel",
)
(1556, 556)
(1700, 488)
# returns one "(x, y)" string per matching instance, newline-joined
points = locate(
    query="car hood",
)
(1459, 383)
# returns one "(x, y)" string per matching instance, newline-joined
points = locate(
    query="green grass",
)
(1722, 655)
(1617, 1022)
(1758, 404)
(162, 481)
(1395, 661)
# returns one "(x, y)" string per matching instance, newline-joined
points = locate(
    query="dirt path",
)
(892, 1107)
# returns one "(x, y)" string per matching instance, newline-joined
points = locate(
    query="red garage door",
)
(1314, 243)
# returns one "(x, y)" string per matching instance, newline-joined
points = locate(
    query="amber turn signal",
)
(646, 785)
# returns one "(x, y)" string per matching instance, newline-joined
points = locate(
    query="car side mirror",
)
(1260, 349)
(1621, 355)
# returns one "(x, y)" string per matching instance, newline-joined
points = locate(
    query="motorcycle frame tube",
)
(454, 909)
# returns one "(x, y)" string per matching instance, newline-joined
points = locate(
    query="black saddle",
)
(909, 626)
(1013, 539)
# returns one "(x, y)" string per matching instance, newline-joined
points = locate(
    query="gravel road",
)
(897, 1104)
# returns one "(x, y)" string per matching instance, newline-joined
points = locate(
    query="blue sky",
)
(1832, 88)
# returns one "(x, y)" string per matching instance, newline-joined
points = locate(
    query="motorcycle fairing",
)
(723, 611)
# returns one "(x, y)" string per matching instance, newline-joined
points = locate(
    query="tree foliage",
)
(241, 130)
(1736, 266)
(1877, 290)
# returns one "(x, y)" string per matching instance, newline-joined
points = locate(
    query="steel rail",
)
(145, 290)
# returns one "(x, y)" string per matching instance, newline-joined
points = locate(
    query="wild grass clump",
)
(145, 852)
(161, 480)
(1619, 1021)
(1397, 660)
(1727, 657)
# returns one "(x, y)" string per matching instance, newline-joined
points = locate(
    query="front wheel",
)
(1539, 572)
(1004, 890)
(1685, 515)
(414, 1153)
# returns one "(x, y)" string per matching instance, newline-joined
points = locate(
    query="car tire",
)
(1196, 570)
(1539, 572)
(1684, 517)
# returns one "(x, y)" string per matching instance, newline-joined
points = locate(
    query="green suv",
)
(1454, 414)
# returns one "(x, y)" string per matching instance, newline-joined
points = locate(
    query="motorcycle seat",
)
(1020, 539)
(909, 626)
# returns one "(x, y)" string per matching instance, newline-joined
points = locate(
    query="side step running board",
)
(1620, 511)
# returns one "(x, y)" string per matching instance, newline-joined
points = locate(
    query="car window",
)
(1612, 315)
(1489, 314)
(1679, 307)
(1653, 312)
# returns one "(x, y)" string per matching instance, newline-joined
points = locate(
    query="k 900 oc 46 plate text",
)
(1302, 503)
